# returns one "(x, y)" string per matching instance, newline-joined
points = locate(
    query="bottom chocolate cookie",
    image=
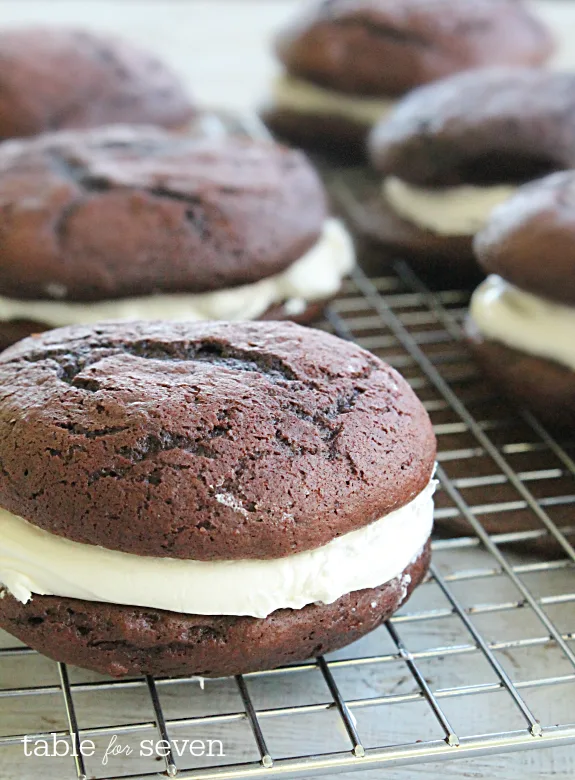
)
(121, 640)
(330, 135)
(12, 331)
(313, 311)
(546, 388)
(445, 258)
(541, 385)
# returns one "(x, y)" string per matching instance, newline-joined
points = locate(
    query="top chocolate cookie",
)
(52, 78)
(486, 126)
(128, 211)
(387, 47)
(206, 441)
(530, 239)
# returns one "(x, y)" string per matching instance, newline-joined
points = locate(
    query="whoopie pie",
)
(135, 222)
(346, 62)
(453, 150)
(522, 317)
(206, 498)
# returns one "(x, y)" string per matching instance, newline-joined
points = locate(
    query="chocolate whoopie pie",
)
(53, 78)
(206, 498)
(522, 317)
(453, 150)
(133, 223)
(347, 61)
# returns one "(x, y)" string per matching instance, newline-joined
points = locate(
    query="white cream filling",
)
(314, 276)
(307, 98)
(523, 321)
(35, 561)
(453, 211)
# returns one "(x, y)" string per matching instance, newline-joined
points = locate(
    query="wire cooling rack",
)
(480, 661)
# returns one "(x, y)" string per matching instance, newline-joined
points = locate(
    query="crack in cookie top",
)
(387, 47)
(127, 211)
(54, 78)
(207, 440)
(530, 239)
(492, 125)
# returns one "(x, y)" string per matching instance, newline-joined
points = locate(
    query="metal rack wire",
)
(484, 606)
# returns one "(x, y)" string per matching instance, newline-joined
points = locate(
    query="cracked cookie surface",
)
(207, 440)
(121, 211)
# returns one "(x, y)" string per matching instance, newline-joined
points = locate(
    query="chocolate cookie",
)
(335, 136)
(199, 218)
(14, 330)
(453, 150)
(267, 411)
(522, 318)
(486, 126)
(180, 214)
(262, 491)
(539, 222)
(388, 47)
(440, 260)
(381, 49)
(53, 78)
(120, 640)
(544, 386)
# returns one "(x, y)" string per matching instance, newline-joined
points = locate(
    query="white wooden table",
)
(222, 48)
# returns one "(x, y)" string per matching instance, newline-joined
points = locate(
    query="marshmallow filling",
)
(34, 561)
(522, 321)
(303, 97)
(450, 211)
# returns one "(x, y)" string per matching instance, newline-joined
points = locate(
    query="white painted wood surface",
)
(221, 46)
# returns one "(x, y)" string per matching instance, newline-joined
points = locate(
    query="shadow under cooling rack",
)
(480, 661)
